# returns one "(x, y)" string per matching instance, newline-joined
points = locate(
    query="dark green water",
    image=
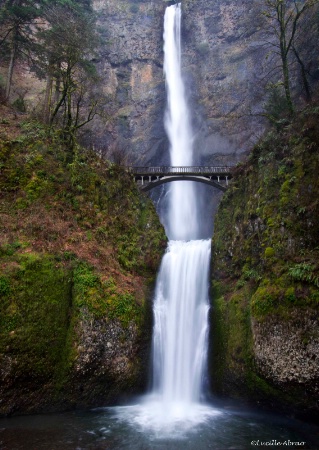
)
(132, 428)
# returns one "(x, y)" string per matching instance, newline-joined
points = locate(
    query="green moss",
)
(314, 296)
(265, 300)
(290, 295)
(260, 389)
(269, 252)
(233, 370)
(270, 221)
(103, 298)
(10, 249)
(265, 249)
(124, 308)
(34, 315)
(4, 286)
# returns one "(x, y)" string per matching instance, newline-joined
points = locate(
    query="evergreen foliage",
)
(58, 40)
(18, 29)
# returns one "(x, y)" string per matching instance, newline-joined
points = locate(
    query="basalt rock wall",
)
(224, 64)
(223, 61)
(130, 63)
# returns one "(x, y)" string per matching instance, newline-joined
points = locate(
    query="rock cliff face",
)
(226, 70)
(223, 62)
(265, 273)
(288, 351)
(225, 66)
(130, 63)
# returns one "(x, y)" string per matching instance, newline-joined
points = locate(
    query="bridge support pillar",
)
(226, 180)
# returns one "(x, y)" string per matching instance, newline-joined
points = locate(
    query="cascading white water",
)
(182, 212)
(181, 302)
(181, 299)
(180, 309)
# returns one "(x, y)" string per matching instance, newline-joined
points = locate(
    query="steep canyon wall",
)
(79, 251)
(131, 65)
(223, 61)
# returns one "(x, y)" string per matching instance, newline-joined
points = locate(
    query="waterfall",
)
(182, 212)
(181, 301)
(180, 330)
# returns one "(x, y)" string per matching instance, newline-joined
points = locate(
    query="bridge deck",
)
(180, 170)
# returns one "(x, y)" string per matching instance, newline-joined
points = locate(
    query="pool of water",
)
(139, 427)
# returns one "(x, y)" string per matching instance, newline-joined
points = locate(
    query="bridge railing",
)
(161, 170)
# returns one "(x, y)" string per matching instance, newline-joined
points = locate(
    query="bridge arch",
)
(150, 177)
(170, 178)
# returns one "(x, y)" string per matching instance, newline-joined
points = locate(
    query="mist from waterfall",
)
(181, 304)
(181, 301)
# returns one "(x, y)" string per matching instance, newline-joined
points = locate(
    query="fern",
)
(304, 272)
(251, 274)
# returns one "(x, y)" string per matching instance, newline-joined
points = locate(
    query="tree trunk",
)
(285, 70)
(47, 99)
(57, 90)
(58, 105)
(11, 65)
(303, 76)
(284, 50)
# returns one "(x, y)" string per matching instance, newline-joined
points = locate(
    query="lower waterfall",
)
(180, 332)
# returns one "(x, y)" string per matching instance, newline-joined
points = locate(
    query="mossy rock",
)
(267, 224)
(80, 247)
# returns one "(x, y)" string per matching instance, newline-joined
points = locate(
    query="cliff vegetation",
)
(266, 272)
(79, 249)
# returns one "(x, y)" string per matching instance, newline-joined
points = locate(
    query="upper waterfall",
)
(182, 214)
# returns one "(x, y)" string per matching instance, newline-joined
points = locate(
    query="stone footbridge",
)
(149, 177)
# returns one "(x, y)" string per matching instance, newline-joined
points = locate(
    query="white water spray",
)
(181, 303)
(181, 300)
(180, 309)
